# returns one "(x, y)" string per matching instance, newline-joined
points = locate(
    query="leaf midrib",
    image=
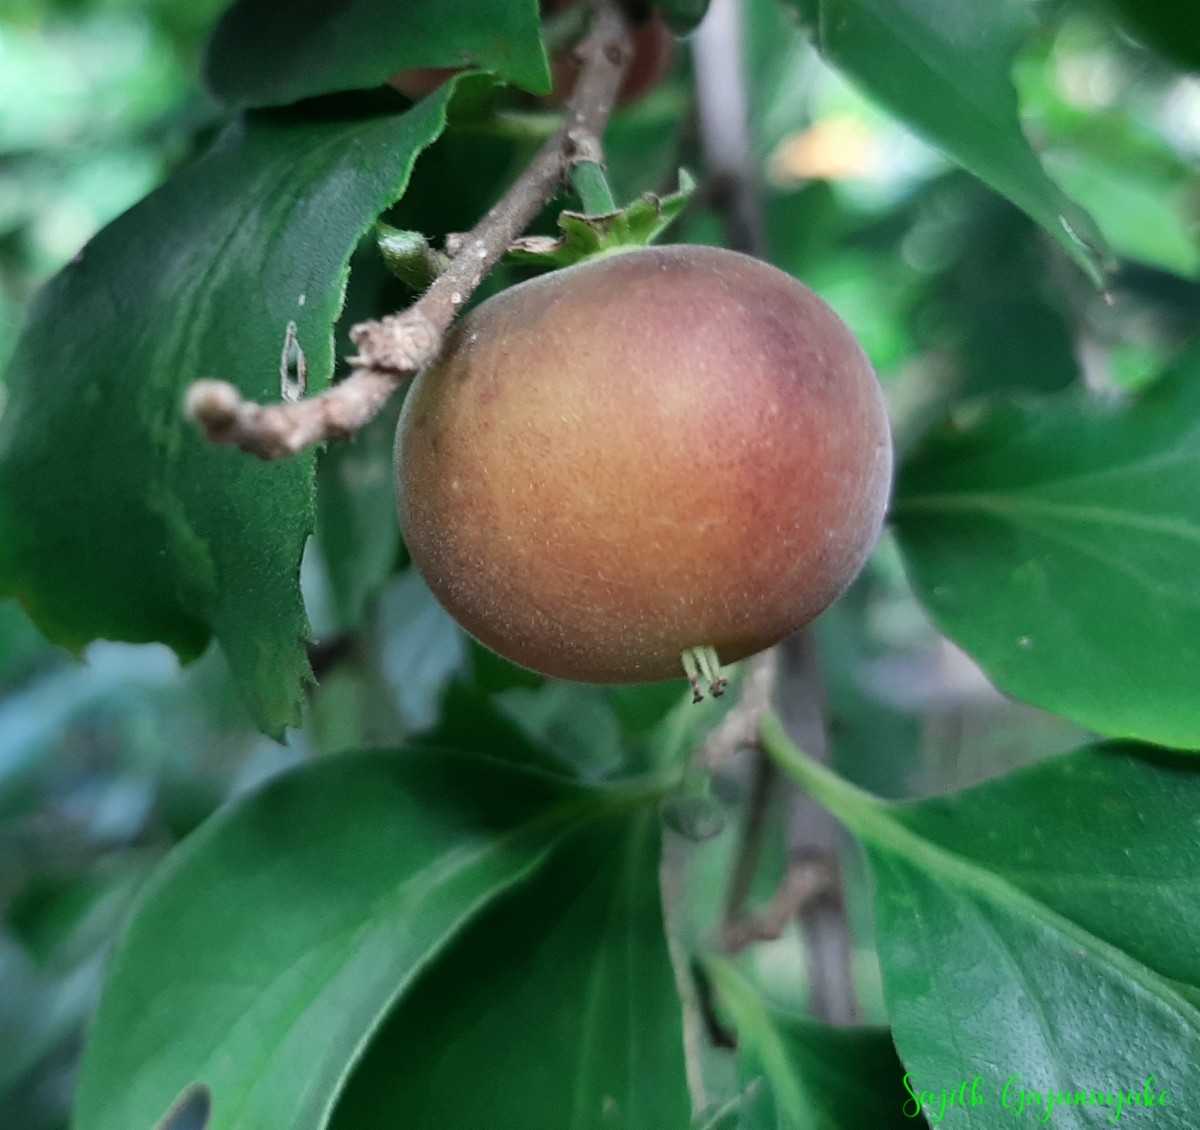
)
(886, 832)
(872, 820)
(1028, 510)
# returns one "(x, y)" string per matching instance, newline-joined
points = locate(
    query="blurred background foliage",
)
(108, 758)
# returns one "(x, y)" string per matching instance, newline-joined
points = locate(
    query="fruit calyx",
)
(703, 669)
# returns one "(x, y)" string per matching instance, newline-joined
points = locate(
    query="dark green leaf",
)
(1056, 542)
(356, 525)
(943, 67)
(801, 1075)
(1146, 213)
(468, 719)
(1038, 932)
(557, 1009)
(993, 305)
(273, 941)
(116, 518)
(357, 534)
(264, 55)
(570, 719)
(1170, 27)
(642, 147)
(61, 920)
(23, 649)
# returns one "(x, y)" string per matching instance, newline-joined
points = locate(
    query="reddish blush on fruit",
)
(625, 466)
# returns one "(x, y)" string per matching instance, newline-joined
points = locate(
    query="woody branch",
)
(395, 348)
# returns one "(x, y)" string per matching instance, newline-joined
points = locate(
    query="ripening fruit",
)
(641, 458)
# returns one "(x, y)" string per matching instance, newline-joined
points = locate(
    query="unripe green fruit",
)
(661, 450)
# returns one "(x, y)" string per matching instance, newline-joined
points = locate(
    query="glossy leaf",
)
(1056, 541)
(274, 940)
(1038, 932)
(1145, 212)
(264, 55)
(944, 68)
(556, 1009)
(117, 519)
(801, 1075)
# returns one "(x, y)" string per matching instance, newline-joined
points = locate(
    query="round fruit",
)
(646, 456)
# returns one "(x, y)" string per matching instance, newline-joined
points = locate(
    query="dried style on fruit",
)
(642, 459)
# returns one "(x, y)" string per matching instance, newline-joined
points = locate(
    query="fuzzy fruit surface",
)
(662, 449)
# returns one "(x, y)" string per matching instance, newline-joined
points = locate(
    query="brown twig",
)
(397, 347)
(805, 881)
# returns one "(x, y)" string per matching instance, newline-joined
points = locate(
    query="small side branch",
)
(397, 347)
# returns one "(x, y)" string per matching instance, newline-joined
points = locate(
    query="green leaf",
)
(275, 939)
(468, 719)
(1167, 26)
(63, 919)
(801, 1075)
(263, 55)
(117, 519)
(1056, 541)
(23, 650)
(944, 68)
(995, 301)
(1145, 214)
(557, 1009)
(356, 525)
(1039, 932)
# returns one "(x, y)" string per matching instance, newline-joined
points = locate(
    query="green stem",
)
(592, 188)
(858, 810)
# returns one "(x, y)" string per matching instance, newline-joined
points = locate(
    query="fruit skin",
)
(661, 449)
(653, 53)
